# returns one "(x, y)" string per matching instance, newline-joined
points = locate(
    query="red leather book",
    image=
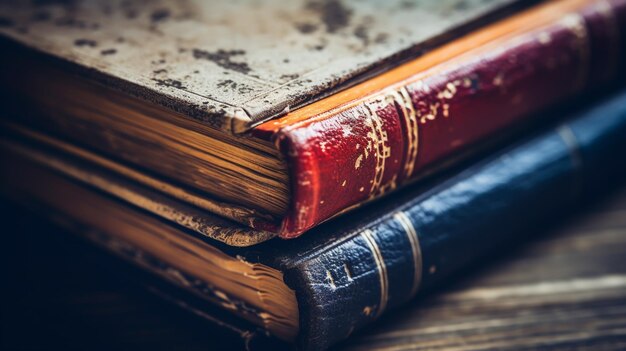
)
(377, 141)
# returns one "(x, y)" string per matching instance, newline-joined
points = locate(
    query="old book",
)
(318, 289)
(291, 114)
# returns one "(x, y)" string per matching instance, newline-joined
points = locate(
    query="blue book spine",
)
(418, 243)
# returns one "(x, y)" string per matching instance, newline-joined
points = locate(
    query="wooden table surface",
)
(565, 289)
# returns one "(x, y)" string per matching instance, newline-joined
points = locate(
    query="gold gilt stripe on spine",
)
(411, 234)
(368, 235)
(570, 140)
(403, 99)
(378, 138)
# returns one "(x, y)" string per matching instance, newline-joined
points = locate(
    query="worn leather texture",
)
(341, 159)
(355, 275)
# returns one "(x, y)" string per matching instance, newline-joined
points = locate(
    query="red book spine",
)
(356, 153)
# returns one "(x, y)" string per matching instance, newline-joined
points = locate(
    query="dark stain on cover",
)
(172, 83)
(306, 28)
(332, 13)
(159, 15)
(85, 42)
(75, 23)
(223, 58)
(228, 83)
(361, 32)
(289, 76)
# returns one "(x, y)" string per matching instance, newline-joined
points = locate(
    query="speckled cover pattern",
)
(233, 64)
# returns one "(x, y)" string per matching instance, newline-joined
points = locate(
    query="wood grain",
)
(565, 289)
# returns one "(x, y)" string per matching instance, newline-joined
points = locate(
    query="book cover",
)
(234, 64)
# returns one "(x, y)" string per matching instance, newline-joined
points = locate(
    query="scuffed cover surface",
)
(232, 64)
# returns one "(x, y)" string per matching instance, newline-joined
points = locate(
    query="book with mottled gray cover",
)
(233, 64)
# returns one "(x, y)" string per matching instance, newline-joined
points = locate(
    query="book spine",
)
(348, 284)
(345, 158)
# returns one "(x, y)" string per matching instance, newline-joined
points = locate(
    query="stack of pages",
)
(305, 166)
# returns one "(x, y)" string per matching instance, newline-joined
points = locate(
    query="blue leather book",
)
(318, 289)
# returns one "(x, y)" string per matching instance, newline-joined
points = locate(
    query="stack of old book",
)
(304, 167)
